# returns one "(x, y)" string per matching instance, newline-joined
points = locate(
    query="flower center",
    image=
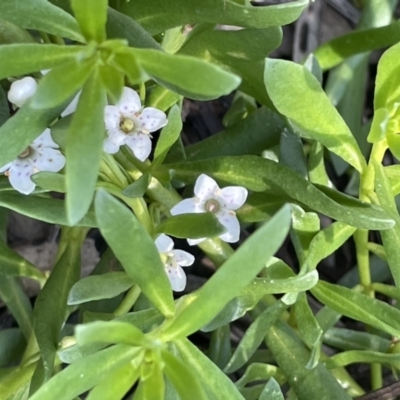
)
(26, 153)
(127, 125)
(212, 205)
(168, 259)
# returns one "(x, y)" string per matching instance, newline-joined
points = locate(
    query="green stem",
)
(376, 376)
(128, 302)
(114, 167)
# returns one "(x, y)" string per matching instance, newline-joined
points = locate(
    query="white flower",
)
(22, 90)
(127, 123)
(221, 202)
(41, 155)
(173, 261)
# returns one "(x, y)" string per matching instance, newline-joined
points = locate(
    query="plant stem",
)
(128, 302)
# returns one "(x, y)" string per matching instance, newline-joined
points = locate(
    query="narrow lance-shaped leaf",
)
(359, 306)
(157, 16)
(189, 76)
(61, 83)
(85, 373)
(25, 58)
(51, 305)
(214, 381)
(91, 16)
(298, 95)
(391, 237)
(213, 296)
(41, 15)
(135, 249)
(84, 148)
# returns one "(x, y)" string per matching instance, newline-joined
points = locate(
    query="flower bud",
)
(22, 90)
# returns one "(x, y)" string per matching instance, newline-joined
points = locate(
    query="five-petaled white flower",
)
(127, 123)
(221, 202)
(41, 155)
(173, 261)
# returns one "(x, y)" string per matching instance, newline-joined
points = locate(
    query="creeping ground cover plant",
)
(212, 280)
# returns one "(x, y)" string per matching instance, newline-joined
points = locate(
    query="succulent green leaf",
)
(290, 85)
(91, 16)
(84, 148)
(135, 249)
(30, 15)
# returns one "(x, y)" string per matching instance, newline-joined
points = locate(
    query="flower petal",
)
(151, 120)
(231, 223)
(20, 177)
(187, 206)
(233, 197)
(177, 278)
(48, 159)
(44, 140)
(164, 243)
(183, 258)
(193, 242)
(129, 103)
(112, 117)
(205, 186)
(140, 144)
(21, 91)
(113, 142)
(71, 108)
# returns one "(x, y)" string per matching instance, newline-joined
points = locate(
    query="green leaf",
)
(188, 76)
(85, 373)
(272, 391)
(12, 346)
(292, 356)
(138, 188)
(15, 380)
(11, 33)
(289, 84)
(185, 380)
(12, 264)
(30, 15)
(120, 25)
(116, 385)
(337, 50)
(91, 16)
(97, 287)
(43, 208)
(242, 52)
(258, 371)
(135, 249)
(387, 81)
(359, 307)
(25, 58)
(112, 80)
(61, 84)
(254, 336)
(51, 304)
(249, 136)
(162, 98)
(326, 242)
(213, 380)
(84, 148)
(17, 302)
(215, 294)
(169, 135)
(262, 175)
(363, 356)
(157, 16)
(4, 108)
(193, 226)
(108, 332)
(51, 181)
(347, 339)
(391, 237)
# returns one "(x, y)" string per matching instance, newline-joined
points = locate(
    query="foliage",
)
(105, 75)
